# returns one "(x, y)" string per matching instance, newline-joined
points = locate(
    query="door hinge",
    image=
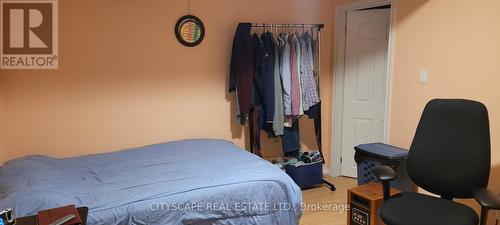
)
(340, 159)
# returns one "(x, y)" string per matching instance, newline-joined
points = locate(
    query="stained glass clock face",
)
(189, 30)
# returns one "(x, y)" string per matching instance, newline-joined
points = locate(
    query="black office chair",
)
(450, 157)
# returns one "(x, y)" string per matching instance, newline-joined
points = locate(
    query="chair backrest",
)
(450, 153)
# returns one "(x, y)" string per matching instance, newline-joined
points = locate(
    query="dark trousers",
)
(291, 138)
(254, 129)
(315, 114)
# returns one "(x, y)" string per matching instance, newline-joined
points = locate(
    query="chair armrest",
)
(385, 175)
(487, 198)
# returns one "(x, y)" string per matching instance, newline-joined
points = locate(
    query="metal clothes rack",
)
(289, 25)
(318, 28)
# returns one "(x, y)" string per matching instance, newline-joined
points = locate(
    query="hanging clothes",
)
(254, 131)
(264, 82)
(315, 51)
(298, 52)
(267, 75)
(256, 109)
(295, 81)
(241, 69)
(314, 113)
(277, 86)
(291, 138)
(279, 114)
(309, 93)
(259, 53)
(285, 72)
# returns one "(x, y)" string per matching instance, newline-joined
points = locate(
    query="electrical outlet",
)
(424, 76)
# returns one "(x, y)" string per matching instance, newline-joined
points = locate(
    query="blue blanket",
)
(199, 181)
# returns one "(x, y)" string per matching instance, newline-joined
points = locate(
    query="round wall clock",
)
(189, 30)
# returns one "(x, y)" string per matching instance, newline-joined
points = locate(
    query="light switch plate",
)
(424, 76)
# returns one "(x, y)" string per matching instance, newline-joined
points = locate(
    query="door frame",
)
(339, 73)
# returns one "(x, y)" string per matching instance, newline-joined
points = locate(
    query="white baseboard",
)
(327, 171)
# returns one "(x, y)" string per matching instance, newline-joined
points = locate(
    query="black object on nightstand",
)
(31, 220)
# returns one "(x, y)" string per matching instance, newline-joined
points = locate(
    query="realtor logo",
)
(29, 35)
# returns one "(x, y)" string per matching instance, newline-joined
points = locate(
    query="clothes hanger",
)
(307, 34)
(277, 37)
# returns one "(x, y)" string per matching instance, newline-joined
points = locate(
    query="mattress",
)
(197, 181)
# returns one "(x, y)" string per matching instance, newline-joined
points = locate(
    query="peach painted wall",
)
(125, 81)
(459, 43)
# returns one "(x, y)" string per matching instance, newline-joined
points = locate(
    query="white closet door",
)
(365, 82)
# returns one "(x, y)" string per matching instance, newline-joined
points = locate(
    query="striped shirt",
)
(295, 84)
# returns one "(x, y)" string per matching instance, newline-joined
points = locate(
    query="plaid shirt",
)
(308, 83)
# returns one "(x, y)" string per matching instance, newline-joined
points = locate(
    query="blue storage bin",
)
(306, 175)
(376, 154)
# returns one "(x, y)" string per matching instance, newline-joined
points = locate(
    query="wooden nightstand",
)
(365, 202)
(31, 220)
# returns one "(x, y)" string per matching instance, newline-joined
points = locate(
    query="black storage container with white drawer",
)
(371, 155)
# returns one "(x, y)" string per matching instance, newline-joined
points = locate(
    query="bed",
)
(197, 181)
